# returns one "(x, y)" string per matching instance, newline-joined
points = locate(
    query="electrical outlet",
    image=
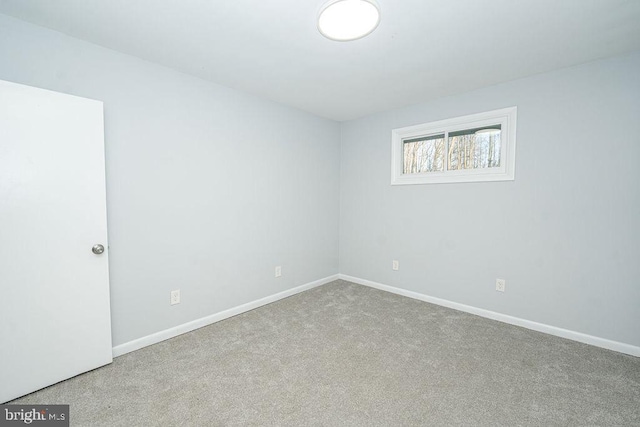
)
(175, 297)
(395, 265)
(500, 285)
(278, 271)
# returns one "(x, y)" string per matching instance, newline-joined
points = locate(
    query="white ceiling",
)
(423, 49)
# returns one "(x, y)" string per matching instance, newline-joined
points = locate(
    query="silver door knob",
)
(97, 249)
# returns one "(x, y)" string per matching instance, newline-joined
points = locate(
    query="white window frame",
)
(505, 117)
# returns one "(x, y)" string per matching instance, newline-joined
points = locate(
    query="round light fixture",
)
(487, 131)
(344, 20)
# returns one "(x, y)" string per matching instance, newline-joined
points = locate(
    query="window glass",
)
(474, 148)
(424, 154)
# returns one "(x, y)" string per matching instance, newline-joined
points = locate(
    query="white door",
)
(54, 291)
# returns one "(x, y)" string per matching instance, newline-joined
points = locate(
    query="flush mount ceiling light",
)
(345, 20)
(487, 131)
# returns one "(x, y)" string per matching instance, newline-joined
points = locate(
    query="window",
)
(478, 147)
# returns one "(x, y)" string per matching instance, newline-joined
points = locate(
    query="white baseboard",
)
(540, 327)
(208, 320)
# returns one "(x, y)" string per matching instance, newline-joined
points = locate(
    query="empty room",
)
(320, 212)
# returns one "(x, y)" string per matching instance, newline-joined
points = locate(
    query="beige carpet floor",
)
(347, 355)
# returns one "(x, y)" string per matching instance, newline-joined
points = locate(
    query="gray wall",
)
(208, 189)
(565, 234)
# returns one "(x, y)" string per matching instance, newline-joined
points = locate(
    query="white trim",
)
(540, 327)
(505, 117)
(208, 320)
